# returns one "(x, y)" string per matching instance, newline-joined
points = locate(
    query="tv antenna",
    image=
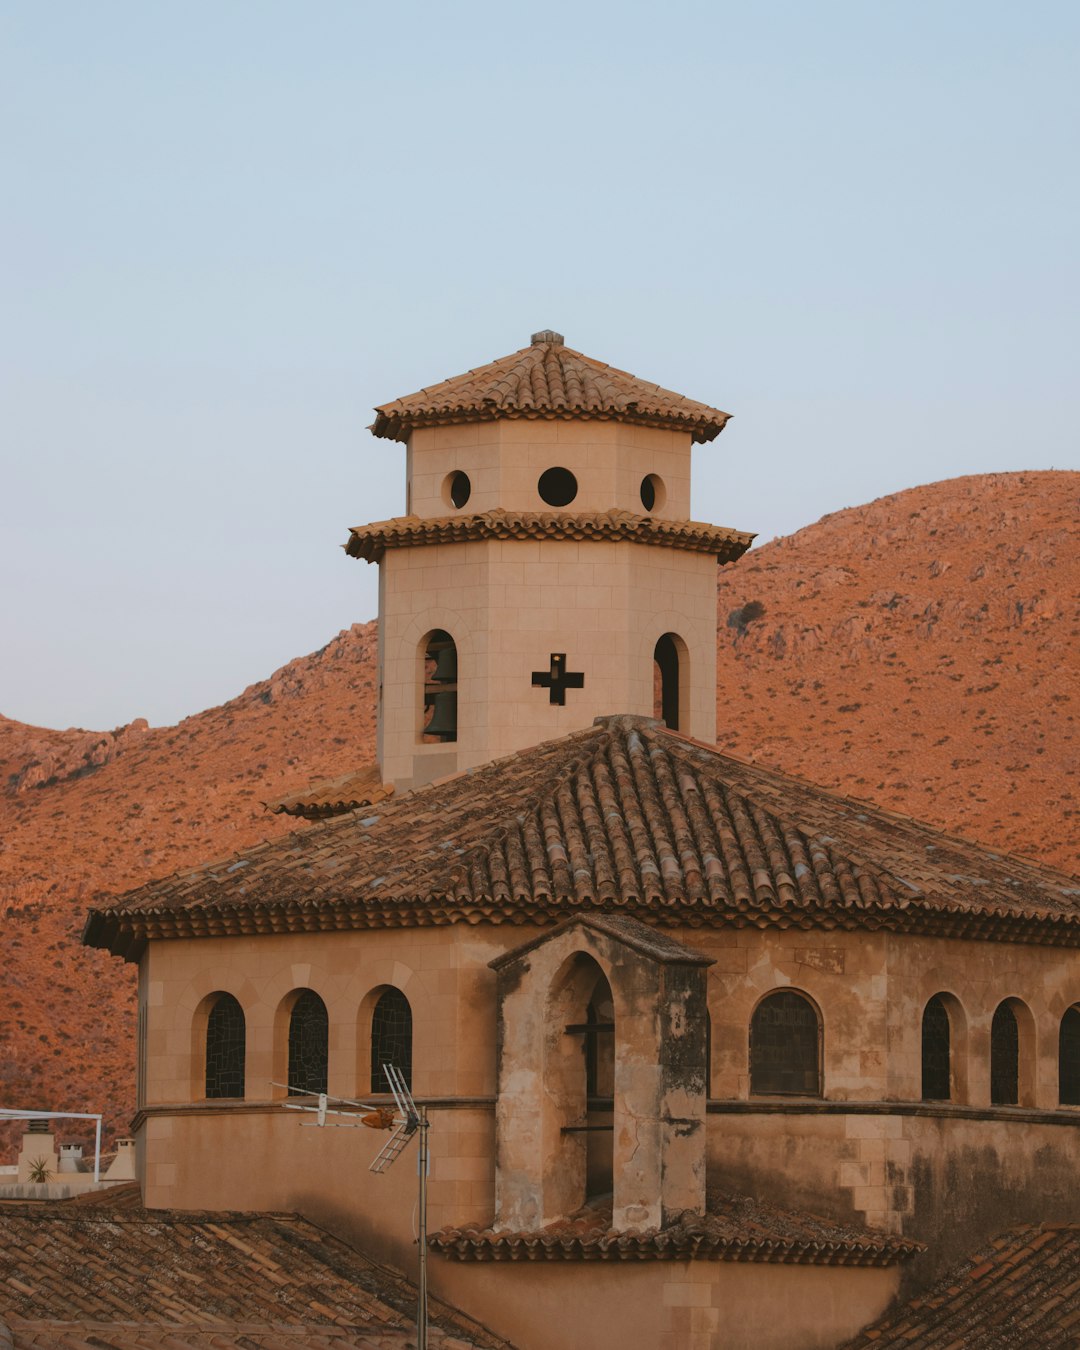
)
(405, 1121)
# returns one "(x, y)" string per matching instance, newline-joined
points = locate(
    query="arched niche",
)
(658, 1073)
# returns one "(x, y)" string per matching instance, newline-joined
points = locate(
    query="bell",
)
(444, 719)
(445, 665)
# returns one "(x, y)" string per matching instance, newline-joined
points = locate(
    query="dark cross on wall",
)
(557, 680)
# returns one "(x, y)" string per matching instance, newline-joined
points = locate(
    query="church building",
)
(712, 1057)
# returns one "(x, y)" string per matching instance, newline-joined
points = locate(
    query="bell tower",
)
(546, 572)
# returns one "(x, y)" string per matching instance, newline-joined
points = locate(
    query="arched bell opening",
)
(670, 679)
(438, 709)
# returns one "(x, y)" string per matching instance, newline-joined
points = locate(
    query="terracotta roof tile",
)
(1022, 1290)
(370, 542)
(156, 1278)
(546, 380)
(663, 828)
(335, 796)
(736, 1228)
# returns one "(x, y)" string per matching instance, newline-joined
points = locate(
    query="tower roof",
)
(547, 380)
(623, 817)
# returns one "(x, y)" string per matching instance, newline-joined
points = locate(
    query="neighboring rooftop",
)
(79, 1275)
(547, 380)
(623, 816)
(1019, 1292)
(335, 796)
(736, 1228)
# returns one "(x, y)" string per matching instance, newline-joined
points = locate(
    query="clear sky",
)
(230, 227)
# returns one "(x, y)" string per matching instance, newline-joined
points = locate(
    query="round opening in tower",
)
(652, 492)
(457, 489)
(558, 487)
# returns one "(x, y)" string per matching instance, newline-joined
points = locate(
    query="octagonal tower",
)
(547, 572)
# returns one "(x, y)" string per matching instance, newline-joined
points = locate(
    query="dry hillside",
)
(919, 652)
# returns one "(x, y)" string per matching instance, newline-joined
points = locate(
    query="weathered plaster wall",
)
(678, 1305)
(948, 1174)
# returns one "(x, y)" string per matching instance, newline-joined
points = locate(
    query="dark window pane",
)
(784, 1046)
(1004, 1058)
(935, 1052)
(225, 1048)
(309, 1035)
(1069, 1059)
(391, 1039)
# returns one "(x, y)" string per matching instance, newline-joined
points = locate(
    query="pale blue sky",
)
(230, 228)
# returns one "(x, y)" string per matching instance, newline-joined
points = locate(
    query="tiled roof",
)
(335, 796)
(546, 380)
(625, 817)
(74, 1275)
(735, 1228)
(1019, 1292)
(370, 542)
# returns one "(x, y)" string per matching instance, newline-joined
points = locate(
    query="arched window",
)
(309, 1037)
(936, 1052)
(225, 1048)
(668, 694)
(785, 1046)
(391, 1039)
(1004, 1057)
(1069, 1058)
(439, 707)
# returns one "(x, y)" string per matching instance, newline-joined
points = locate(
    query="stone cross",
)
(557, 680)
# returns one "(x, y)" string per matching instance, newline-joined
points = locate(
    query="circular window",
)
(652, 492)
(457, 489)
(558, 487)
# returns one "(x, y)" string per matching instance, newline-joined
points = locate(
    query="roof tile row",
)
(625, 816)
(370, 542)
(547, 379)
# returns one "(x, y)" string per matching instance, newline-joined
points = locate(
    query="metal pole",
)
(421, 1311)
(97, 1150)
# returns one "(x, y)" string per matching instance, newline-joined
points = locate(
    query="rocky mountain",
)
(919, 652)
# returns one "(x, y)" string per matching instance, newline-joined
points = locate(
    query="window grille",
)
(309, 1035)
(1069, 1058)
(785, 1046)
(1004, 1058)
(225, 1048)
(391, 1039)
(936, 1050)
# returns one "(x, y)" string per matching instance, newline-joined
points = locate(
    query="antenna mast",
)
(406, 1121)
